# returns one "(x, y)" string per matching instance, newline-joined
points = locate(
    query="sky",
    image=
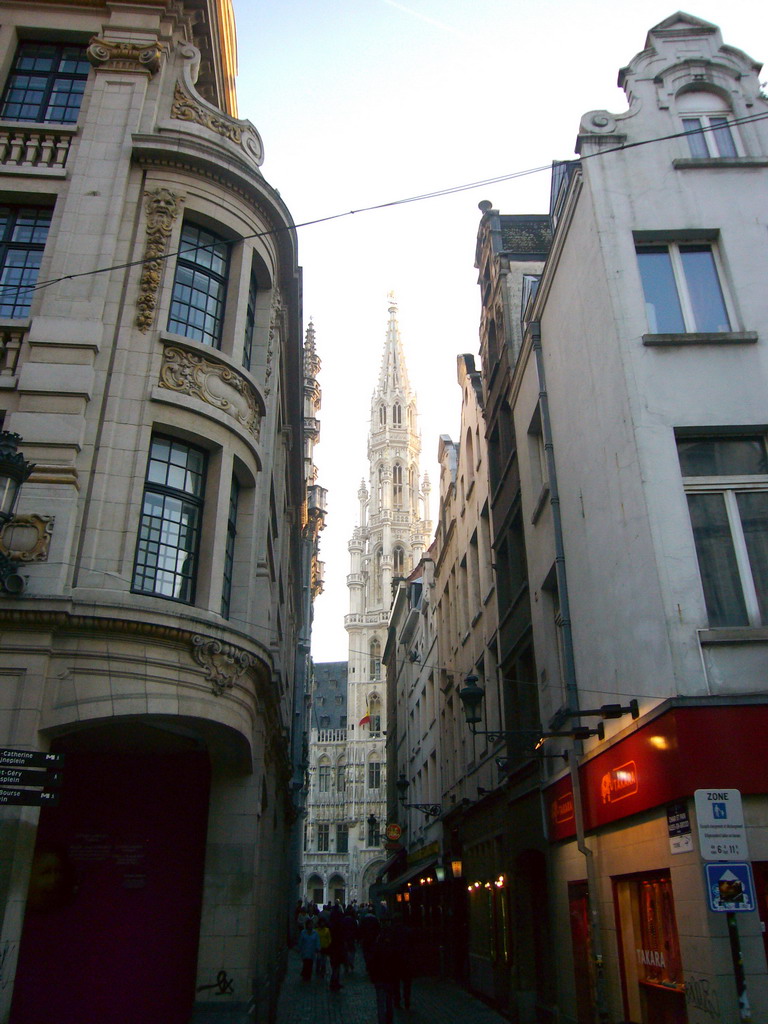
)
(363, 103)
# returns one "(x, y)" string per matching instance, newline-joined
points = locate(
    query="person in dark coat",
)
(368, 932)
(382, 962)
(349, 927)
(337, 951)
(402, 936)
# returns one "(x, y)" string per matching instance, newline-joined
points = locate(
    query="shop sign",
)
(720, 817)
(393, 832)
(730, 887)
(679, 828)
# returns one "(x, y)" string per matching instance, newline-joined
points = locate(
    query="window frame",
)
(374, 775)
(707, 136)
(52, 78)
(190, 259)
(19, 308)
(229, 547)
(323, 837)
(190, 501)
(644, 241)
(729, 486)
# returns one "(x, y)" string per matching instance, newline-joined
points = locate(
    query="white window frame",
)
(681, 284)
(707, 135)
(729, 487)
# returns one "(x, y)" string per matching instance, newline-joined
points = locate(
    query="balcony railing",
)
(34, 148)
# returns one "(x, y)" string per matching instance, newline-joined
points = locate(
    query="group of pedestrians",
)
(331, 936)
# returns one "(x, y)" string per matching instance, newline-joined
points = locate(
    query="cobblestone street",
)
(432, 1000)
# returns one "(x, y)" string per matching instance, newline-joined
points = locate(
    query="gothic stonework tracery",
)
(162, 207)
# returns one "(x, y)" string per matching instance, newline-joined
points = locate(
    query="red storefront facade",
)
(666, 954)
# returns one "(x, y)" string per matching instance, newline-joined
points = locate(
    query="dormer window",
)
(705, 118)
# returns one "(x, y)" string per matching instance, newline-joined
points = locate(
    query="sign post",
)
(730, 888)
(29, 778)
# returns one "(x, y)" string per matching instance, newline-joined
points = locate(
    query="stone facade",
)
(156, 376)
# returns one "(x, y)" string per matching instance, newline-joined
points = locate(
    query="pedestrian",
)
(368, 932)
(349, 927)
(337, 948)
(382, 970)
(324, 934)
(401, 935)
(309, 947)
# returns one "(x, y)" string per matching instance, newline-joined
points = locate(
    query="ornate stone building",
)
(155, 616)
(393, 533)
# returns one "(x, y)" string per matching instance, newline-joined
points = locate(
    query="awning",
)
(398, 855)
(406, 876)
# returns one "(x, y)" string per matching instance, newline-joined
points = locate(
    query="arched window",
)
(341, 775)
(397, 414)
(413, 487)
(397, 485)
(374, 663)
(324, 775)
(705, 117)
(380, 492)
(382, 415)
(398, 561)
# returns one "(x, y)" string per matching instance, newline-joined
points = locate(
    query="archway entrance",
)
(113, 913)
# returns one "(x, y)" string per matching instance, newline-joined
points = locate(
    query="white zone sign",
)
(719, 814)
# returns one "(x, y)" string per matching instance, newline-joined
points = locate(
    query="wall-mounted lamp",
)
(14, 470)
(431, 810)
(471, 696)
(440, 872)
(457, 867)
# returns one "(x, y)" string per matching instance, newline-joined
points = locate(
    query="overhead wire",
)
(418, 198)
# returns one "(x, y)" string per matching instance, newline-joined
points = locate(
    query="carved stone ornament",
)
(162, 207)
(275, 323)
(124, 56)
(27, 538)
(214, 383)
(224, 664)
(195, 111)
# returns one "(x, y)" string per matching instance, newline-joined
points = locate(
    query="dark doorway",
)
(113, 912)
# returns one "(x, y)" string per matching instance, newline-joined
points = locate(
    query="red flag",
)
(365, 720)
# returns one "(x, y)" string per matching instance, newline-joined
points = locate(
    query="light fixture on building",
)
(14, 470)
(440, 872)
(471, 696)
(457, 867)
(431, 810)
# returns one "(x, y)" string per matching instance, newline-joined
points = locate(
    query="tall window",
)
(250, 322)
(341, 777)
(682, 288)
(397, 485)
(398, 561)
(726, 481)
(171, 515)
(200, 285)
(374, 661)
(374, 774)
(324, 778)
(397, 414)
(374, 833)
(229, 551)
(23, 232)
(46, 83)
(342, 839)
(323, 838)
(705, 120)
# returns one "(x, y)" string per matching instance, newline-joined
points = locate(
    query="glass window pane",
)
(722, 136)
(697, 141)
(717, 561)
(662, 304)
(722, 456)
(753, 510)
(704, 289)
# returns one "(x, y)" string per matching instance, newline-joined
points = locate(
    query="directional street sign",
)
(28, 797)
(29, 759)
(29, 777)
(722, 834)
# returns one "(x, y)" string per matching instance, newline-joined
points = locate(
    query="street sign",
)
(720, 818)
(679, 828)
(30, 777)
(28, 797)
(730, 887)
(29, 759)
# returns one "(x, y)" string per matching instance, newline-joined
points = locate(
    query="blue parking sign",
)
(730, 887)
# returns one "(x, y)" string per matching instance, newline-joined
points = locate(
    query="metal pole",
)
(745, 1011)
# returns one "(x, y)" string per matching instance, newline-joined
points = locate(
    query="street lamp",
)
(471, 696)
(431, 810)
